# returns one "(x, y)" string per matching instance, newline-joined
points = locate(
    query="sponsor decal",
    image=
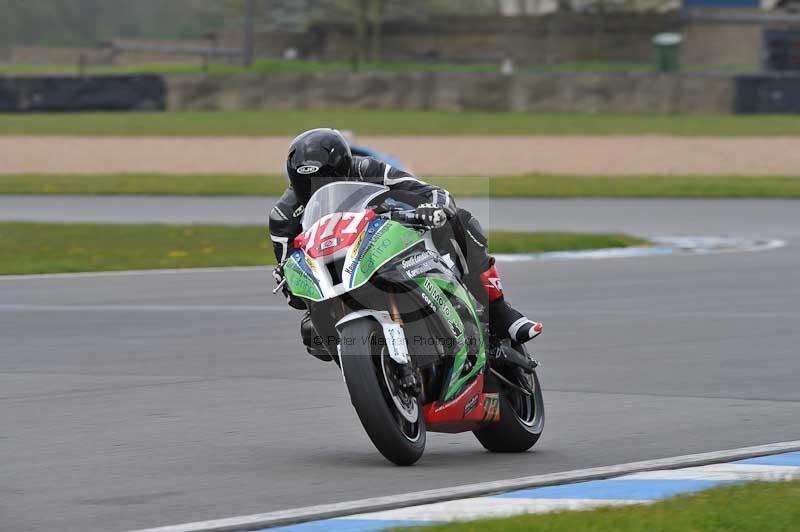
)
(454, 328)
(416, 259)
(356, 245)
(300, 279)
(415, 272)
(375, 250)
(419, 264)
(308, 169)
(331, 242)
(299, 211)
(491, 407)
(311, 264)
(428, 301)
(471, 404)
(437, 296)
(495, 282)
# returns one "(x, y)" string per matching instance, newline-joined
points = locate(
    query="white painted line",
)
(722, 472)
(489, 507)
(391, 502)
(666, 245)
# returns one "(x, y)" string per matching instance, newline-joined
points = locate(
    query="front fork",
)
(409, 378)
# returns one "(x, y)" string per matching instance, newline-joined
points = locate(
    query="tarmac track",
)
(147, 400)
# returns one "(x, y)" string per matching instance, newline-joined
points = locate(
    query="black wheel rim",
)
(528, 410)
(387, 372)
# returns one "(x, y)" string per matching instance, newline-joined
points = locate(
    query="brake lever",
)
(283, 280)
(280, 285)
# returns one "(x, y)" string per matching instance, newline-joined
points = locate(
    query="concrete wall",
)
(593, 93)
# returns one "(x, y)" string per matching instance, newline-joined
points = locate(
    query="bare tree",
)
(360, 22)
(376, 28)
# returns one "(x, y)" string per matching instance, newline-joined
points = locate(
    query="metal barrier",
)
(95, 93)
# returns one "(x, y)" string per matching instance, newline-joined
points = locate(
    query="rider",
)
(321, 156)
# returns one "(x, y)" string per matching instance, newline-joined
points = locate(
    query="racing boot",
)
(504, 320)
(315, 344)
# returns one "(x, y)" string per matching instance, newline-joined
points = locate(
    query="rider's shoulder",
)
(287, 207)
(374, 170)
(368, 167)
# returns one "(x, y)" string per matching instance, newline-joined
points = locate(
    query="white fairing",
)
(396, 342)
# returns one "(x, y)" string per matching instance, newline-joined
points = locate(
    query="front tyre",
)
(521, 418)
(392, 419)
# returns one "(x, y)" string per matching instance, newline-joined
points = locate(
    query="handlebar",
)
(407, 217)
(404, 216)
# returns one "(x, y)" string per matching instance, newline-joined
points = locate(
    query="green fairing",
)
(299, 283)
(431, 287)
(390, 240)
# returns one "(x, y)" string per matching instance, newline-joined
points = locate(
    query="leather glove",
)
(431, 215)
(291, 300)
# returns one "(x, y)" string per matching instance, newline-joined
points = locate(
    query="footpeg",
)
(506, 355)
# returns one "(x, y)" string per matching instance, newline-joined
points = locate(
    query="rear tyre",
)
(393, 420)
(521, 418)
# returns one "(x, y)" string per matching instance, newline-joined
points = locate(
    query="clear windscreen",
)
(343, 196)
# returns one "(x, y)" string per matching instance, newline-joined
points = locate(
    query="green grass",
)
(52, 248)
(391, 122)
(752, 507)
(541, 186)
(280, 66)
(518, 242)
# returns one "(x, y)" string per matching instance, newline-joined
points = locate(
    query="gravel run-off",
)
(568, 155)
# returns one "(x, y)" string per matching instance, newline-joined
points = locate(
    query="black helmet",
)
(316, 158)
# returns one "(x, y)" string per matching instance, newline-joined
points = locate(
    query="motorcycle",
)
(391, 310)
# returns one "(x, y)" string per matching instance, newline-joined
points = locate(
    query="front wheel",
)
(521, 418)
(392, 418)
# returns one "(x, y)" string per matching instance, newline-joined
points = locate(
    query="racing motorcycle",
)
(387, 304)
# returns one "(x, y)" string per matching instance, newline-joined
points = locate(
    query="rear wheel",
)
(521, 417)
(391, 417)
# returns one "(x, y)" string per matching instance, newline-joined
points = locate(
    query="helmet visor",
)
(311, 177)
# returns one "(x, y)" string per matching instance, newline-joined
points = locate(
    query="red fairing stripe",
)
(490, 280)
(469, 410)
(333, 232)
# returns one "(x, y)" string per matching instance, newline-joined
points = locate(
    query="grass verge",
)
(532, 186)
(53, 248)
(391, 122)
(282, 66)
(752, 507)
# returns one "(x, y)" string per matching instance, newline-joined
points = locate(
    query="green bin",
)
(668, 50)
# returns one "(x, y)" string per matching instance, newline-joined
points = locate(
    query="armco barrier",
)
(555, 92)
(773, 94)
(90, 93)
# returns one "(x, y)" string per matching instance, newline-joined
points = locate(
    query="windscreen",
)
(344, 196)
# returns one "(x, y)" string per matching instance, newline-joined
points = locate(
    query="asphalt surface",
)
(745, 218)
(148, 400)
